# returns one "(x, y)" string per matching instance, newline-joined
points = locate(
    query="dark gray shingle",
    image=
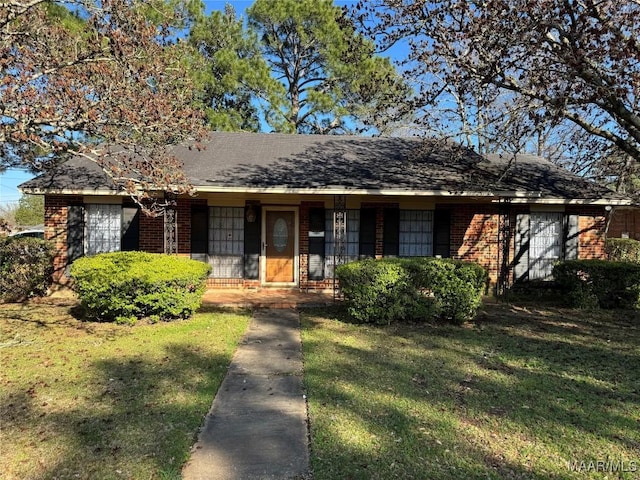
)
(249, 160)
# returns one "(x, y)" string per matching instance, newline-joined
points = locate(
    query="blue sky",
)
(9, 180)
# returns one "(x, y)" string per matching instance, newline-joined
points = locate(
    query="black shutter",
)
(75, 232)
(571, 237)
(367, 233)
(316, 243)
(199, 232)
(391, 235)
(252, 239)
(522, 241)
(130, 229)
(442, 233)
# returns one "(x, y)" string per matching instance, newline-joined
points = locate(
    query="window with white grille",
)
(416, 233)
(226, 242)
(103, 228)
(352, 239)
(545, 244)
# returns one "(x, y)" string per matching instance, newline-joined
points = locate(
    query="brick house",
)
(282, 210)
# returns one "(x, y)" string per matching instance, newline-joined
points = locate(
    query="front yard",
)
(524, 392)
(99, 401)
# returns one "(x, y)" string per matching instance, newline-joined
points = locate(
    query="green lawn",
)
(519, 394)
(99, 401)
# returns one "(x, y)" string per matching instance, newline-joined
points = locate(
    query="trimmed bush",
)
(599, 283)
(455, 286)
(125, 286)
(417, 289)
(26, 268)
(375, 291)
(622, 250)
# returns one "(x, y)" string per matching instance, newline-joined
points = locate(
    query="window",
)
(416, 233)
(352, 240)
(546, 244)
(316, 243)
(541, 239)
(103, 228)
(226, 241)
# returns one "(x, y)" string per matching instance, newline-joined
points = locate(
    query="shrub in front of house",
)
(599, 283)
(26, 268)
(375, 291)
(622, 249)
(417, 289)
(126, 286)
(456, 287)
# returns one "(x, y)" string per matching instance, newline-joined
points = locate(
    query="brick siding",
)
(473, 235)
(55, 230)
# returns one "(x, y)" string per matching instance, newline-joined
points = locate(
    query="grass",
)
(521, 393)
(101, 401)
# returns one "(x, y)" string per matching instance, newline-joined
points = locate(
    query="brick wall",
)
(183, 217)
(232, 283)
(151, 233)
(474, 236)
(55, 230)
(592, 224)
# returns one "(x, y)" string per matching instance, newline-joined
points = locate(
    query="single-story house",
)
(282, 210)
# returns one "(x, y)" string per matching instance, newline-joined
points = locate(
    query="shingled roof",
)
(346, 164)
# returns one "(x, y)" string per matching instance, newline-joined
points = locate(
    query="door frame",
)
(296, 245)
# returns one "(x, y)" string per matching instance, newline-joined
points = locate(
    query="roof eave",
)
(66, 191)
(513, 196)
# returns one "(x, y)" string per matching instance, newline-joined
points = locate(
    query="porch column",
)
(170, 224)
(339, 236)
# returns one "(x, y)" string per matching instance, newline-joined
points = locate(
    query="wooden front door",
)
(280, 246)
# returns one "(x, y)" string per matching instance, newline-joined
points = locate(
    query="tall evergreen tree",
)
(331, 76)
(299, 64)
(234, 77)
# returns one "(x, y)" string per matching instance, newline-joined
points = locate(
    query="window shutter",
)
(130, 229)
(75, 232)
(252, 239)
(391, 235)
(572, 237)
(442, 233)
(316, 243)
(521, 259)
(368, 233)
(199, 233)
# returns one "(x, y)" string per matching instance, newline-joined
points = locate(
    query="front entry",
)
(280, 246)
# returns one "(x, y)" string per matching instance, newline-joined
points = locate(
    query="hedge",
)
(417, 289)
(26, 268)
(623, 249)
(126, 286)
(599, 283)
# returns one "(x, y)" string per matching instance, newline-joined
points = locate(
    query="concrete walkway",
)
(257, 425)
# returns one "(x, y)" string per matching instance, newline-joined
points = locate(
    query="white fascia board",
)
(58, 191)
(514, 197)
(574, 201)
